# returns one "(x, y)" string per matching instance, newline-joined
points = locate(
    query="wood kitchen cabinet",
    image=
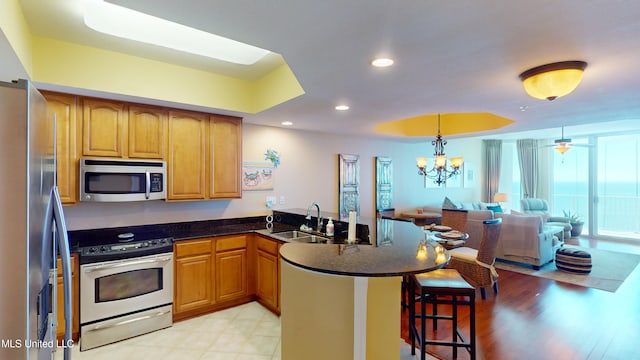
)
(225, 150)
(268, 273)
(231, 267)
(74, 302)
(204, 156)
(103, 128)
(186, 156)
(147, 131)
(64, 108)
(194, 274)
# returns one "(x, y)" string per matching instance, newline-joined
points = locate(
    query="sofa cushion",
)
(448, 204)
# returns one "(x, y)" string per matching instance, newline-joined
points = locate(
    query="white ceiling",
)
(451, 56)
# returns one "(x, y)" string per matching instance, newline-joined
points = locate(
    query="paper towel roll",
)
(352, 226)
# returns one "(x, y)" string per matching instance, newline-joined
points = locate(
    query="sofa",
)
(525, 239)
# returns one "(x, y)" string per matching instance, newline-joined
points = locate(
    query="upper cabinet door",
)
(147, 130)
(186, 155)
(225, 151)
(103, 124)
(63, 107)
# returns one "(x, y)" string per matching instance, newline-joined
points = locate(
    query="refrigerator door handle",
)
(65, 256)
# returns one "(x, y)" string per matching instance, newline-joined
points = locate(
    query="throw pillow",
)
(448, 204)
(495, 208)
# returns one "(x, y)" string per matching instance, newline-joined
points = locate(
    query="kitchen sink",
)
(291, 234)
(301, 236)
(311, 239)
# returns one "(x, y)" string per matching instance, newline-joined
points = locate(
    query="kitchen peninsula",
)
(341, 301)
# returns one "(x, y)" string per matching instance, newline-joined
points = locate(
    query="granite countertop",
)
(394, 253)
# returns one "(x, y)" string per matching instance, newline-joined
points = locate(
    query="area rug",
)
(609, 271)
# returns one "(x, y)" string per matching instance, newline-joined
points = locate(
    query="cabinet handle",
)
(124, 322)
(147, 178)
(89, 269)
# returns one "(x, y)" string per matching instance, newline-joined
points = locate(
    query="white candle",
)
(352, 226)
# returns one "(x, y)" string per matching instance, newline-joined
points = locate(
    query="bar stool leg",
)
(472, 323)
(454, 325)
(423, 324)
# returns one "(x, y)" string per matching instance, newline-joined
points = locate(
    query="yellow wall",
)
(382, 325)
(84, 67)
(14, 27)
(62, 65)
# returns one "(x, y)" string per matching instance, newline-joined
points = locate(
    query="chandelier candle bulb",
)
(352, 226)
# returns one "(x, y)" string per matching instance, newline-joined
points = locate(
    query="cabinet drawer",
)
(231, 243)
(267, 245)
(195, 247)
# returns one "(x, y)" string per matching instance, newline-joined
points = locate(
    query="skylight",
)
(125, 23)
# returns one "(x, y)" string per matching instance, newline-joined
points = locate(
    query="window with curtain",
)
(570, 185)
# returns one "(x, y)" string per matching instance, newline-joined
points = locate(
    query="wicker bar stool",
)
(443, 286)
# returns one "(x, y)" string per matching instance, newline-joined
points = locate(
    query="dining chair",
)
(477, 266)
(455, 219)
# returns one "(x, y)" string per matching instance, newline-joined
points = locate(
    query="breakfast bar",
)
(342, 301)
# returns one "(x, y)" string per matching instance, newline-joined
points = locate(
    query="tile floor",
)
(245, 332)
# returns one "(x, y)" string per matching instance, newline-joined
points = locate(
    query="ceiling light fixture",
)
(286, 123)
(342, 107)
(439, 172)
(125, 23)
(551, 81)
(382, 62)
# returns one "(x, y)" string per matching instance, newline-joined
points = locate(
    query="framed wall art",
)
(349, 186)
(257, 176)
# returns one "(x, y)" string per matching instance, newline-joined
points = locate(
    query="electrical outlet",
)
(282, 202)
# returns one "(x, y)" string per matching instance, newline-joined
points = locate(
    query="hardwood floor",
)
(536, 318)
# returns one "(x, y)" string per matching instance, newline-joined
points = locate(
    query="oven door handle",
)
(129, 321)
(92, 268)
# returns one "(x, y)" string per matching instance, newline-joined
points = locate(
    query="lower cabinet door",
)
(193, 283)
(267, 279)
(231, 274)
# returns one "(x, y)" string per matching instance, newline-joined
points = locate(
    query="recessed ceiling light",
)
(286, 123)
(524, 107)
(125, 23)
(382, 62)
(342, 107)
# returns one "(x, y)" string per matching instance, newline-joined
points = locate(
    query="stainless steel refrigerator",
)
(32, 229)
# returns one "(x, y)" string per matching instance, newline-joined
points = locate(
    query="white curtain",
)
(528, 158)
(493, 159)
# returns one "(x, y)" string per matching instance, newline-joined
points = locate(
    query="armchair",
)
(541, 207)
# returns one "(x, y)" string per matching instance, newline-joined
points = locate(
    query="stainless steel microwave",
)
(111, 180)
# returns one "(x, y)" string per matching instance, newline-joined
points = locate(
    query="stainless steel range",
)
(126, 288)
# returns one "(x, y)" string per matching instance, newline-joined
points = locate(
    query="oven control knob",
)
(104, 249)
(145, 244)
(92, 250)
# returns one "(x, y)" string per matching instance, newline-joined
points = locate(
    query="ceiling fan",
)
(563, 144)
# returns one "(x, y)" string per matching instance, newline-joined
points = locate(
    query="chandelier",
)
(439, 173)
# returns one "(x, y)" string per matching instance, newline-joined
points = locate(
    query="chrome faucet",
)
(319, 225)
